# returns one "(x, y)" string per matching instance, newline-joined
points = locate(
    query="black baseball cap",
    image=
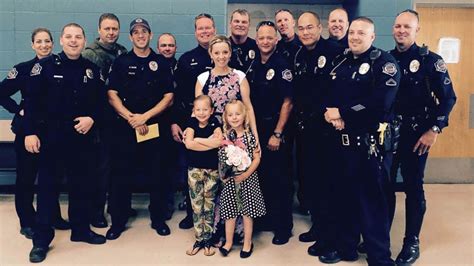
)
(139, 22)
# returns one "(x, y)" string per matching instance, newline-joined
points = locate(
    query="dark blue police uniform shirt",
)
(270, 84)
(311, 76)
(414, 96)
(16, 80)
(243, 54)
(364, 91)
(141, 82)
(203, 159)
(288, 49)
(344, 42)
(60, 90)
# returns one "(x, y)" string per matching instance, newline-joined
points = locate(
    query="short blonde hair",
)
(219, 39)
(242, 106)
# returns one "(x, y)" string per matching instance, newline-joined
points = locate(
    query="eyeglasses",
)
(265, 23)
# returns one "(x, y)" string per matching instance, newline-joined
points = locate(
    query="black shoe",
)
(224, 251)
(99, 221)
(27, 232)
(309, 236)
(89, 237)
(246, 254)
(361, 248)
(335, 257)
(187, 222)
(316, 249)
(114, 232)
(62, 224)
(410, 251)
(38, 254)
(132, 213)
(161, 228)
(280, 239)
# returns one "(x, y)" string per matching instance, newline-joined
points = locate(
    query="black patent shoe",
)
(224, 251)
(316, 249)
(280, 239)
(187, 222)
(27, 232)
(99, 221)
(309, 236)
(89, 237)
(114, 232)
(335, 257)
(161, 228)
(410, 252)
(246, 254)
(38, 254)
(62, 224)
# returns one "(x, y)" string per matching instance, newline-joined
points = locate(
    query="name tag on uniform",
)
(193, 64)
(57, 76)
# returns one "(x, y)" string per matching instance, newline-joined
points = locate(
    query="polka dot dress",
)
(248, 198)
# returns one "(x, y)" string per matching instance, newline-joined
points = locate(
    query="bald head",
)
(405, 29)
(361, 35)
(338, 23)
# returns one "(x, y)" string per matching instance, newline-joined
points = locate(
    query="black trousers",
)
(64, 153)
(102, 172)
(359, 201)
(275, 181)
(412, 168)
(26, 172)
(128, 159)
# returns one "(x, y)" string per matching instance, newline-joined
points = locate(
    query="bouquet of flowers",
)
(233, 157)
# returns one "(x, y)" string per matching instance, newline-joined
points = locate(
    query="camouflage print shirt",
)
(103, 55)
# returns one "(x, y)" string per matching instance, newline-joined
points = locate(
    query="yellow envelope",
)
(153, 132)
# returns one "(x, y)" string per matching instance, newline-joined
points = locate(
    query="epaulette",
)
(424, 51)
(56, 59)
(375, 54)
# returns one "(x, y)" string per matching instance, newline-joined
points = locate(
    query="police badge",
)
(321, 61)
(153, 65)
(414, 65)
(12, 74)
(270, 74)
(89, 73)
(251, 54)
(364, 68)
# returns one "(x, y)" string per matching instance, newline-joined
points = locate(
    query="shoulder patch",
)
(440, 66)
(286, 75)
(389, 69)
(12, 74)
(36, 70)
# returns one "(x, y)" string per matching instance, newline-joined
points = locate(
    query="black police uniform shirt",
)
(60, 90)
(243, 54)
(190, 65)
(364, 90)
(311, 77)
(271, 83)
(414, 96)
(344, 42)
(16, 80)
(288, 49)
(141, 82)
(203, 159)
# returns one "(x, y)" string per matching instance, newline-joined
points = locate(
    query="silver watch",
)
(436, 129)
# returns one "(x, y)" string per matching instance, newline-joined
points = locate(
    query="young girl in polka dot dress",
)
(241, 194)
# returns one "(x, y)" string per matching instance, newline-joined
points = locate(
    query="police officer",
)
(338, 24)
(190, 65)
(103, 52)
(271, 97)
(244, 48)
(166, 46)
(61, 110)
(140, 90)
(26, 163)
(289, 44)
(424, 101)
(364, 85)
(312, 66)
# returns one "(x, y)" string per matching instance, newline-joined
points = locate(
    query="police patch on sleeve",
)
(270, 74)
(36, 70)
(12, 74)
(153, 65)
(389, 69)
(391, 82)
(321, 61)
(364, 68)
(286, 75)
(89, 73)
(440, 66)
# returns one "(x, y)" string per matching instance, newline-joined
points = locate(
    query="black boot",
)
(410, 251)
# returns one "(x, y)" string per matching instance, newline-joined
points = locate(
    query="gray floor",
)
(447, 238)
